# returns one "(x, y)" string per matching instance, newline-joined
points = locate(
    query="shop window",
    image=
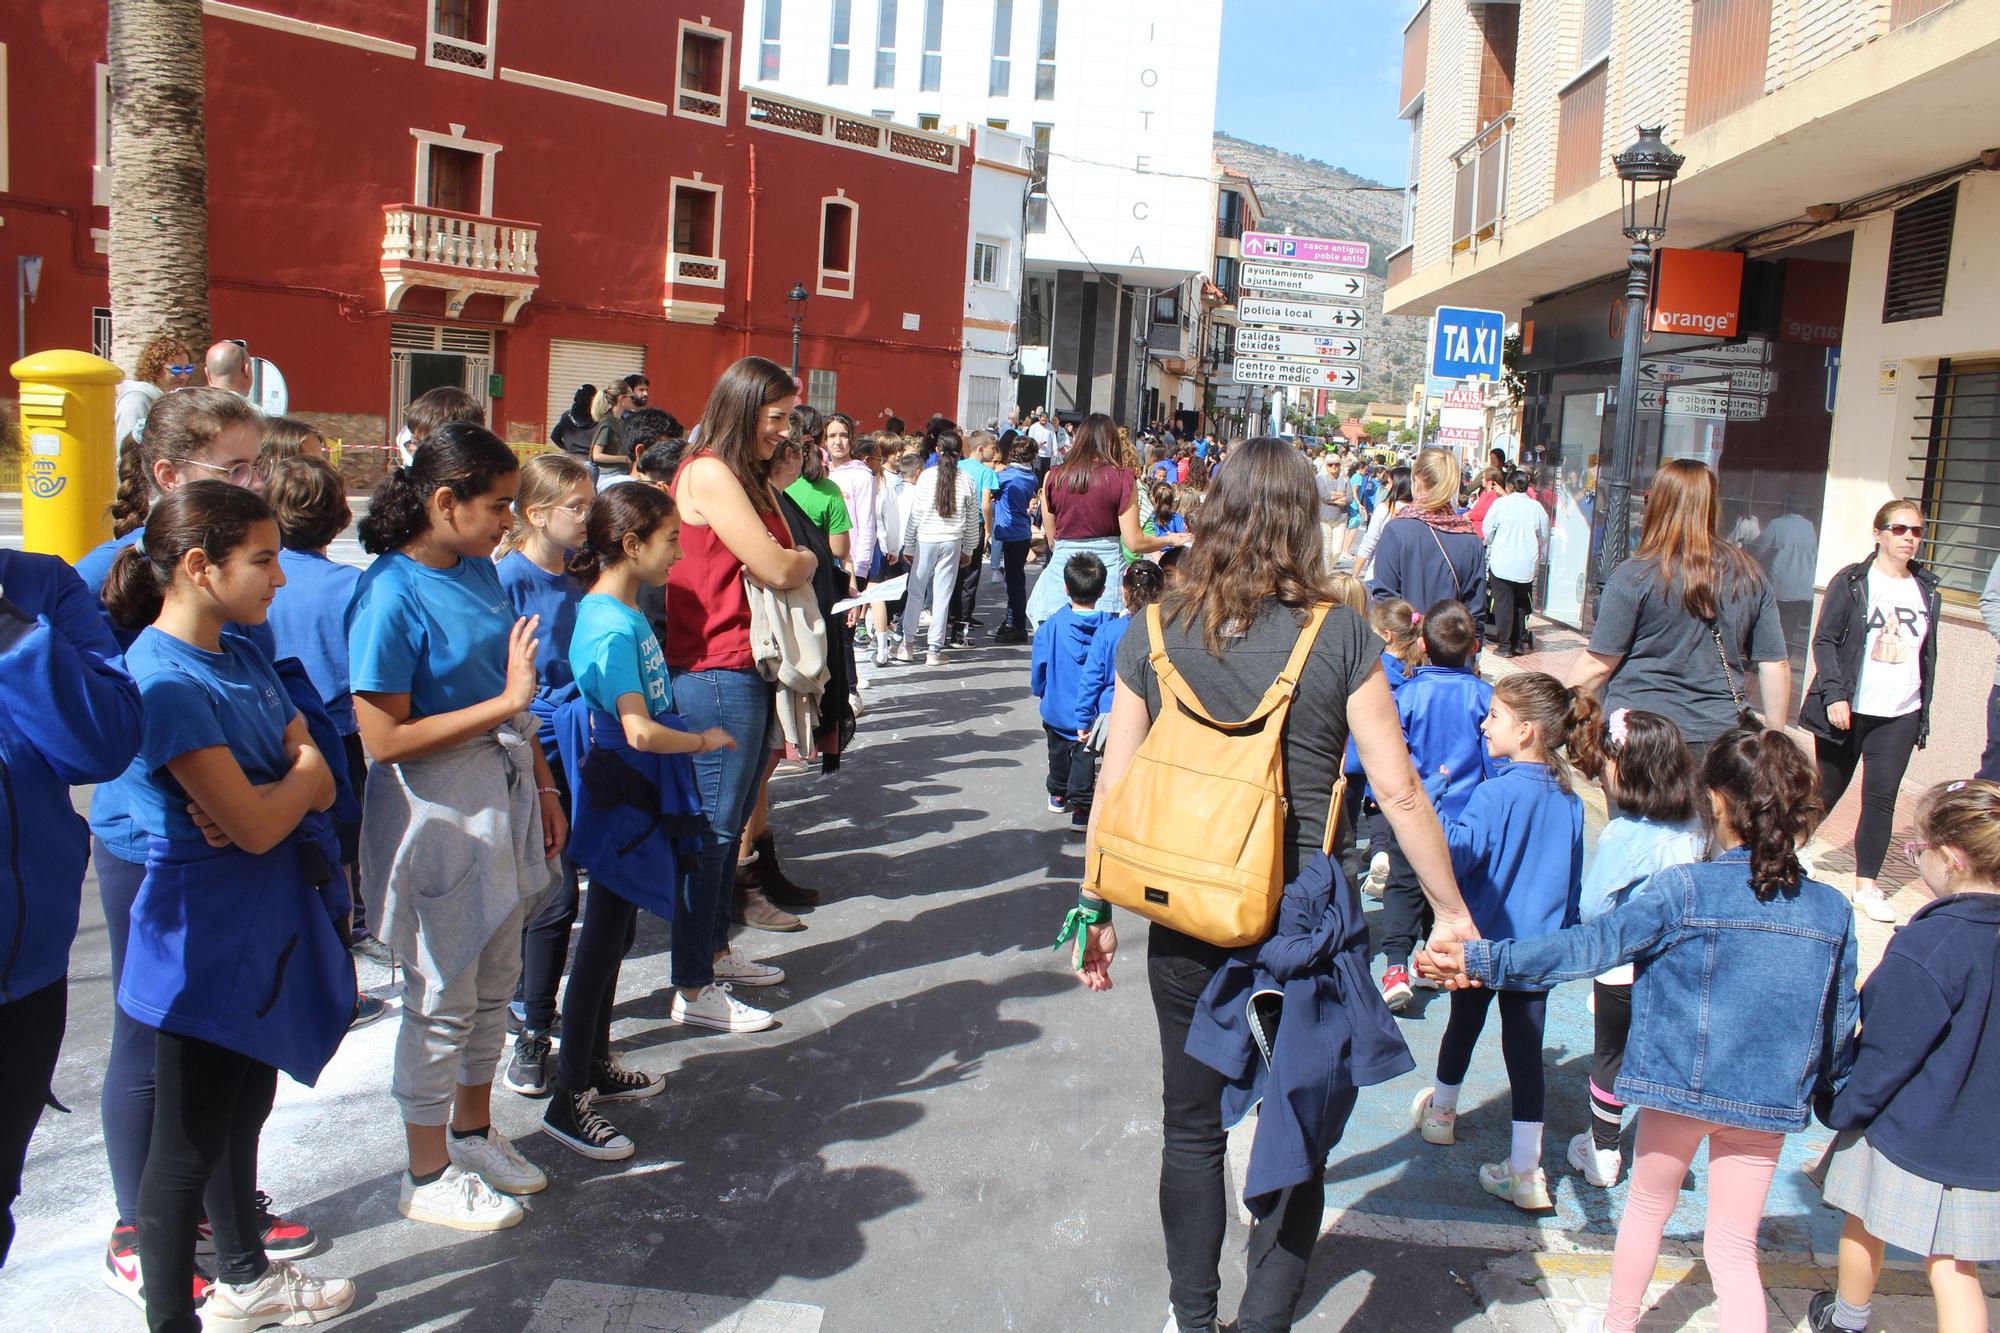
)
(704, 65)
(838, 221)
(838, 44)
(461, 36)
(1920, 257)
(1960, 472)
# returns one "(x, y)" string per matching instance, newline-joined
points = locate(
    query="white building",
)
(1116, 99)
(1001, 171)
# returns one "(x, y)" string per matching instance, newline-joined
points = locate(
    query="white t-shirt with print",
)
(1891, 683)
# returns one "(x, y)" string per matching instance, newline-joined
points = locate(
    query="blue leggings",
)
(127, 1099)
(1523, 1015)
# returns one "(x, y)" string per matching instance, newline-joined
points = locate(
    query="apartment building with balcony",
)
(1117, 101)
(1237, 210)
(1840, 191)
(489, 194)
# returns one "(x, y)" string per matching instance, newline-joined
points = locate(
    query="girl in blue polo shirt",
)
(234, 957)
(462, 816)
(633, 539)
(1518, 854)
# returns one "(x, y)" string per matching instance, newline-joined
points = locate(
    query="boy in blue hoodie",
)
(1440, 706)
(1056, 674)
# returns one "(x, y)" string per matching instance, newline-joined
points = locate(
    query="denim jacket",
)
(1741, 1009)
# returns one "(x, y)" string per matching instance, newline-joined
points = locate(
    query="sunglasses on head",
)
(1903, 529)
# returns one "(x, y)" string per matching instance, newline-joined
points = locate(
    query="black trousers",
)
(1989, 763)
(1072, 770)
(1406, 914)
(965, 591)
(350, 834)
(1194, 1208)
(1523, 1016)
(545, 939)
(31, 1031)
(610, 924)
(1880, 747)
(1612, 1007)
(1511, 603)
(1014, 562)
(209, 1109)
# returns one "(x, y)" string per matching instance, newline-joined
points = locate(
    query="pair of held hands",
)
(1442, 959)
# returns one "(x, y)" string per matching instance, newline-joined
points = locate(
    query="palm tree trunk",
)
(159, 176)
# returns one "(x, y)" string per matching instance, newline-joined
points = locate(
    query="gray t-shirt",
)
(1315, 740)
(1671, 666)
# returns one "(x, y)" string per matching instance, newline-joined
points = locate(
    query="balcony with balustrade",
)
(462, 255)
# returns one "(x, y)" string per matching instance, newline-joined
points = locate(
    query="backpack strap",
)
(1173, 687)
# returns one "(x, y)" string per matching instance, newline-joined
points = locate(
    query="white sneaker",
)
(903, 654)
(1874, 904)
(283, 1296)
(494, 1160)
(881, 650)
(857, 705)
(1600, 1166)
(1434, 1124)
(1529, 1193)
(1378, 875)
(716, 1008)
(738, 970)
(933, 658)
(461, 1200)
(1586, 1320)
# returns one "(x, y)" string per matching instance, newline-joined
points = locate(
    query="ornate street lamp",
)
(795, 304)
(1646, 173)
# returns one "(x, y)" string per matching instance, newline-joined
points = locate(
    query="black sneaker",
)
(574, 1123)
(613, 1082)
(528, 1071)
(1819, 1314)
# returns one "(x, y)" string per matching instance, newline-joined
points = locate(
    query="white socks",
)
(1527, 1154)
(1444, 1096)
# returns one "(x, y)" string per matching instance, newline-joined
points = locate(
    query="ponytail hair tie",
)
(1614, 725)
(405, 476)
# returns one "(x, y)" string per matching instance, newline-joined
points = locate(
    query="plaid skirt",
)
(1906, 1210)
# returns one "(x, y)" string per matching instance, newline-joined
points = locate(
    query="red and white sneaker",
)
(1396, 988)
(121, 1268)
(283, 1238)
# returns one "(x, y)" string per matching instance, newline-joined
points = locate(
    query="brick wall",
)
(1806, 34)
(1546, 61)
(1450, 102)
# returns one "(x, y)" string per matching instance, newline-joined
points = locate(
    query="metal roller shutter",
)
(573, 363)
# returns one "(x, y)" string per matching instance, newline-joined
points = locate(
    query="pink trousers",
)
(1741, 1163)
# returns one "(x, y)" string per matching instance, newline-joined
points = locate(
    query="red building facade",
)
(512, 195)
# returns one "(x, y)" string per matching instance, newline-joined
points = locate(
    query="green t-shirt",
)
(823, 504)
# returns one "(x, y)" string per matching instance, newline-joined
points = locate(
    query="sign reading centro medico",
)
(1697, 291)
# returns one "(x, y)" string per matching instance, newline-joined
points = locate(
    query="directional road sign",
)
(1316, 251)
(1345, 288)
(1298, 314)
(1465, 343)
(1299, 373)
(1286, 344)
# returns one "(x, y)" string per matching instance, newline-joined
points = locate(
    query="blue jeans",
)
(740, 703)
(1989, 763)
(126, 1100)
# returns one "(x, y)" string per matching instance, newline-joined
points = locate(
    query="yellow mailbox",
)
(69, 460)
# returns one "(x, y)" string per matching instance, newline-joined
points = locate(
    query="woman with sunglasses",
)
(165, 364)
(1869, 706)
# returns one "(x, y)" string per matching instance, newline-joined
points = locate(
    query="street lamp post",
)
(1646, 171)
(795, 303)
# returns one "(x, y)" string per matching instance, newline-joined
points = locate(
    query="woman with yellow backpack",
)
(1262, 677)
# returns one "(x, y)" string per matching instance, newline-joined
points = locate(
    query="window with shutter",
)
(1919, 257)
(1959, 460)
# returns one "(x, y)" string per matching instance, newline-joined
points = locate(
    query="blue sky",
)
(1318, 78)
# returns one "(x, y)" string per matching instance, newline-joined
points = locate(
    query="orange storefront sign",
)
(1697, 291)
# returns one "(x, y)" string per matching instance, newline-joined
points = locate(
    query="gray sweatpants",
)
(931, 581)
(455, 1035)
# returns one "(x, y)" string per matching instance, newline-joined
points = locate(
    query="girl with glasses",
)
(1875, 654)
(549, 516)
